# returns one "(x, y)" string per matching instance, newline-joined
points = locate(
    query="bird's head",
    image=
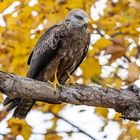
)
(78, 18)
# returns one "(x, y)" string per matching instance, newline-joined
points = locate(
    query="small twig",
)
(117, 33)
(99, 32)
(54, 132)
(79, 129)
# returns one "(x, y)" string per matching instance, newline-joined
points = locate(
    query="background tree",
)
(113, 59)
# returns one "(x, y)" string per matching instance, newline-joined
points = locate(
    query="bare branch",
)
(79, 129)
(125, 101)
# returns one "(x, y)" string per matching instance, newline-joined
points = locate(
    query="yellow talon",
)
(71, 78)
(56, 82)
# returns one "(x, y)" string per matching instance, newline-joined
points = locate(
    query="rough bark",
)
(125, 101)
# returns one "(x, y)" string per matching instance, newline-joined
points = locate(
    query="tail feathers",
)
(22, 106)
(8, 100)
(10, 104)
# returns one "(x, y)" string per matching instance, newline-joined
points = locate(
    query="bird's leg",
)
(56, 82)
(70, 77)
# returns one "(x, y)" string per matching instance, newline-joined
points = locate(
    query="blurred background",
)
(113, 60)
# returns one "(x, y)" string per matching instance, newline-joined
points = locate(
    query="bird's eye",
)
(79, 17)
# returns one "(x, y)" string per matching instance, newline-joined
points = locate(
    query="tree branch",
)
(79, 129)
(125, 101)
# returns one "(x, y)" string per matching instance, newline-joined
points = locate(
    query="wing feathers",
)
(46, 47)
(29, 59)
(39, 63)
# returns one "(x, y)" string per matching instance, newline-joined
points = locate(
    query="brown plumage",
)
(61, 48)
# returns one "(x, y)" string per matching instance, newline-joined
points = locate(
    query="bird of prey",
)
(58, 53)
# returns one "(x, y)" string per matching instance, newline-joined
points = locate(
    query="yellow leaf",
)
(5, 4)
(91, 69)
(52, 137)
(133, 72)
(100, 44)
(102, 112)
(118, 116)
(19, 126)
(1, 97)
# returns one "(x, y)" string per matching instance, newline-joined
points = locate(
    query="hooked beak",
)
(86, 23)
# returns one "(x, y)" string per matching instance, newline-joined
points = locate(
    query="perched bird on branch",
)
(57, 54)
